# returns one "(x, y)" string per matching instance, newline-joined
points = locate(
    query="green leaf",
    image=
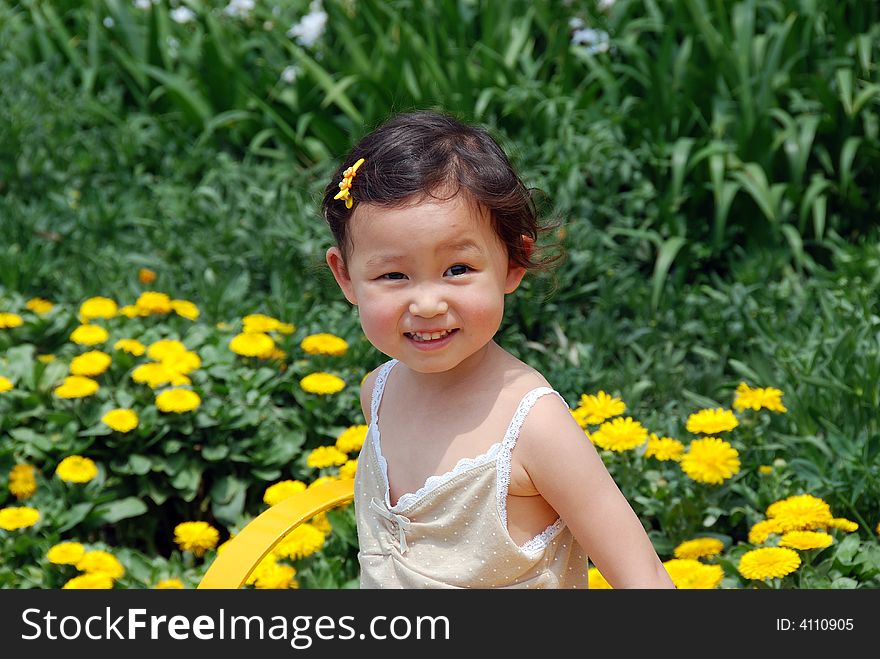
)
(121, 509)
(665, 257)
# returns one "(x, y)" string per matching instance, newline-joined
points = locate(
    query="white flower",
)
(182, 15)
(239, 8)
(310, 27)
(575, 23)
(142, 4)
(290, 74)
(594, 41)
(605, 5)
(108, 22)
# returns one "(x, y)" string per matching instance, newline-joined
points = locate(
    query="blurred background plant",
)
(712, 165)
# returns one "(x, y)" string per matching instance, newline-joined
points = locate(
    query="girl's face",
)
(429, 280)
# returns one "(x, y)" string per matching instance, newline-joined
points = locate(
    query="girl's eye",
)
(458, 269)
(393, 275)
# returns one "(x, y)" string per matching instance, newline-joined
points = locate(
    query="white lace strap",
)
(522, 410)
(379, 388)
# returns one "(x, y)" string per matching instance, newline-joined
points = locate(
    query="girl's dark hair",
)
(426, 154)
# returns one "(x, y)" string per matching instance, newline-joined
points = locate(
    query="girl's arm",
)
(567, 471)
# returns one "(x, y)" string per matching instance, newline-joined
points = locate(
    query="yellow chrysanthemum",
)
(5, 384)
(76, 469)
(323, 479)
(760, 531)
(89, 335)
(269, 574)
(165, 349)
(580, 416)
(664, 448)
(153, 302)
(756, 399)
(46, 359)
(352, 438)
(768, 563)
(600, 407)
(39, 305)
(324, 344)
(596, 580)
(285, 328)
(101, 562)
(845, 525)
(146, 276)
(800, 512)
(76, 386)
(22, 481)
(156, 374)
(690, 574)
(196, 537)
(184, 362)
(282, 490)
(259, 323)
(131, 346)
(322, 384)
(185, 309)
(169, 584)
(303, 541)
(66, 553)
(698, 547)
(710, 460)
(12, 519)
(97, 307)
(326, 456)
(765, 470)
(97, 581)
(252, 344)
(178, 400)
(133, 311)
(90, 364)
(321, 523)
(348, 470)
(621, 434)
(10, 320)
(121, 419)
(710, 422)
(805, 540)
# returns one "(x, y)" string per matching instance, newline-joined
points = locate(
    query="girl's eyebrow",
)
(463, 245)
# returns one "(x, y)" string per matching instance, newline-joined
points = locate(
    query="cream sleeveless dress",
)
(452, 532)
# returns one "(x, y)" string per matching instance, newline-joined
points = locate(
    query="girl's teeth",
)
(432, 336)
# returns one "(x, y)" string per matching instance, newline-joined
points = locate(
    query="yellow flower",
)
(345, 184)
(760, 531)
(252, 344)
(843, 524)
(184, 362)
(22, 481)
(66, 553)
(270, 574)
(45, 359)
(178, 400)
(688, 573)
(710, 422)
(348, 470)
(164, 349)
(621, 434)
(664, 448)
(153, 302)
(282, 490)
(596, 580)
(76, 386)
(710, 460)
(322, 480)
(321, 523)
(755, 399)
(76, 469)
(133, 311)
(259, 323)
(322, 384)
(10, 320)
(39, 305)
(326, 456)
(800, 513)
(765, 470)
(97, 307)
(303, 541)
(21, 517)
(5, 384)
(155, 374)
(101, 562)
(96, 581)
(197, 537)
(185, 309)
(121, 419)
(805, 540)
(90, 364)
(768, 562)
(698, 548)
(131, 346)
(324, 344)
(352, 438)
(600, 407)
(89, 335)
(169, 584)
(146, 276)
(285, 328)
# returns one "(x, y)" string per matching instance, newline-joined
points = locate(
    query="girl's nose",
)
(428, 306)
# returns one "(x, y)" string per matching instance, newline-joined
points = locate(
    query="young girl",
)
(474, 473)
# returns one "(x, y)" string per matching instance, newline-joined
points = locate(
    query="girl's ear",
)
(340, 273)
(515, 272)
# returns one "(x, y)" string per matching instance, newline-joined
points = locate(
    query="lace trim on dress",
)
(379, 388)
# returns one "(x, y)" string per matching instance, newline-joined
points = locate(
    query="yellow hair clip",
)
(345, 184)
